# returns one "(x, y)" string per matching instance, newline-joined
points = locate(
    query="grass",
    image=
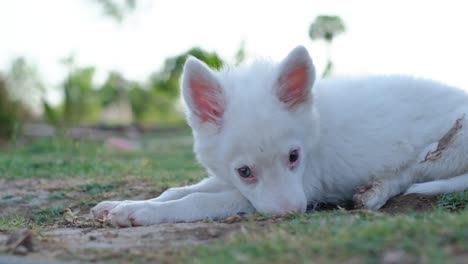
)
(13, 222)
(44, 215)
(438, 236)
(454, 201)
(168, 160)
(343, 236)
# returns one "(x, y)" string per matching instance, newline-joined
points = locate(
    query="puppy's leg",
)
(455, 184)
(377, 193)
(208, 185)
(194, 206)
(440, 160)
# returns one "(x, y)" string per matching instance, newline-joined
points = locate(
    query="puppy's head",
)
(255, 126)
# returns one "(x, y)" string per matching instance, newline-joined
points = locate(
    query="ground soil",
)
(65, 237)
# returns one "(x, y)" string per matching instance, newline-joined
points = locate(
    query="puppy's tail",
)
(455, 184)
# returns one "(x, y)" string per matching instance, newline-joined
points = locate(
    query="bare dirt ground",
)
(69, 233)
(89, 243)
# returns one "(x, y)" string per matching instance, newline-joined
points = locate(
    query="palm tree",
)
(327, 27)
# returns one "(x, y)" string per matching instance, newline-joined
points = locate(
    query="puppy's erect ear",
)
(296, 77)
(202, 92)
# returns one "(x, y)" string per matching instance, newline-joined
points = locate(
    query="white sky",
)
(423, 38)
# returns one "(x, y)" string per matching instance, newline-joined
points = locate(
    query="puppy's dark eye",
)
(293, 156)
(244, 172)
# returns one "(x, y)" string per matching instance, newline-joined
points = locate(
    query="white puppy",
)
(273, 140)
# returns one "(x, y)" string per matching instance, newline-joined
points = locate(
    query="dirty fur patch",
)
(434, 155)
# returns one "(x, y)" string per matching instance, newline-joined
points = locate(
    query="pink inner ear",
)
(206, 97)
(294, 88)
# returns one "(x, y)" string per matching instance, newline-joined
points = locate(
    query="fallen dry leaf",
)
(69, 216)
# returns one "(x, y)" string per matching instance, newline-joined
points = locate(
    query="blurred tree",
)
(240, 54)
(80, 105)
(166, 82)
(115, 102)
(150, 108)
(117, 9)
(156, 102)
(20, 93)
(113, 89)
(140, 101)
(24, 84)
(12, 112)
(150, 103)
(327, 28)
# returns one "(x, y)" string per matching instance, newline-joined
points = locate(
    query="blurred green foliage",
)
(12, 112)
(80, 104)
(158, 99)
(112, 89)
(240, 53)
(19, 89)
(151, 102)
(24, 83)
(327, 27)
(116, 9)
(167, 81)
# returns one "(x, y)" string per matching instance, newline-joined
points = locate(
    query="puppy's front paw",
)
(134, 214)
(369, 197)
(101, 210)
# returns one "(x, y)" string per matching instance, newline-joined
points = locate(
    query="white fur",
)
(455, 184)
(372, 131)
